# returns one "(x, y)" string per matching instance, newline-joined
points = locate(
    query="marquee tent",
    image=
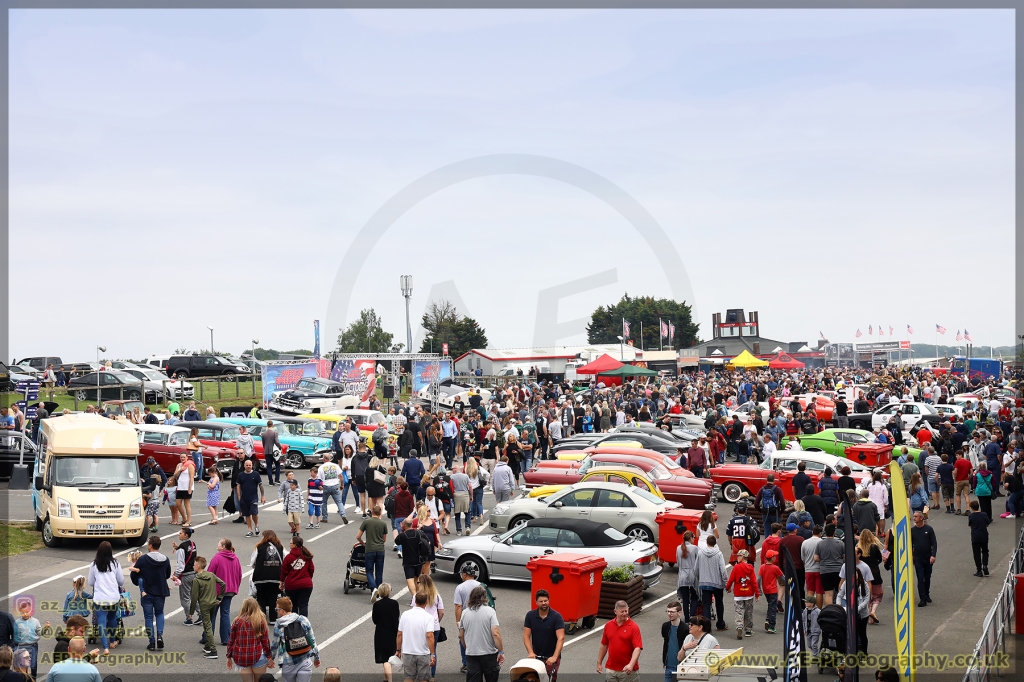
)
(600, 366)
(783, 361)
(745, 359)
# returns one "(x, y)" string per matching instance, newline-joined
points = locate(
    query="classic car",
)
(617, 473)
(647, 440)
(676, 484)
(111, 384)
(504, 556)
(449, 389)
(626, 509)
(678, 435)
(911, 413)
(835, 441)
(313, 395)
(221, 434)
(331, 422)
(824, 406)
(155, 380)
(735, 479)
(302, 449)
(165, 444)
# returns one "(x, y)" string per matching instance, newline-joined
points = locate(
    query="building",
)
(736, 332)
(548, 359)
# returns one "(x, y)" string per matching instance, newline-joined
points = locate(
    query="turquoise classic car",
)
(303, 450)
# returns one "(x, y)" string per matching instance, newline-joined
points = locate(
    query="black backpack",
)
(295, 641)
(389, 502)
(426, 544)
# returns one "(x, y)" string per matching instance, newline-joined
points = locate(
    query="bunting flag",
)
(967, 335)
(664, 329)
(959, 336)
(850, 585)
(625, 329)
(858, 334)
(940, 329)
(910, 330)
(903, 576)
(795, 644)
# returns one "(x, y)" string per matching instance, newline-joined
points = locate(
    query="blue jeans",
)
(345, 488)
(153, 607)
(448, 448)
(197, 459)
(476, 508)
(332, 492)
(768, 520)
(273, 469)
(106, 615)
(670, 674)
(1015, 503)
(374, 569)
(225, 619)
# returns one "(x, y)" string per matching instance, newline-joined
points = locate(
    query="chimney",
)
(757, 347)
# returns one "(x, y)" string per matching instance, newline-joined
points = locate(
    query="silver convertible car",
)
(504, 556)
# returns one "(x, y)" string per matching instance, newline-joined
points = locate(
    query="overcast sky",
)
(174, 170)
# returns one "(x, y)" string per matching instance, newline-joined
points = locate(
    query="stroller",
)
(528, 670)
(355, 569)
(832, 621)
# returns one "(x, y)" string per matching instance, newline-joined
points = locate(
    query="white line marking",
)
(597, 629)
(356, 623)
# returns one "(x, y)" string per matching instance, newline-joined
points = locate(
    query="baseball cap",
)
(771, 554)
(790, 527)
(743, 553)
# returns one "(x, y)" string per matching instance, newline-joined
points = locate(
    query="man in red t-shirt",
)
(622, 642)
(962, 483)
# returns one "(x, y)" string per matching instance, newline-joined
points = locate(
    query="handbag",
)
(126, 607)
(229, 505)
(252, 588)
(379, 476)
(442, 636)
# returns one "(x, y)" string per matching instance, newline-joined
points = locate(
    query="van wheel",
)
(141, 540)
(48, 538)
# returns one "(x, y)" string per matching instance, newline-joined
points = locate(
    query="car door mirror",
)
(557, 504)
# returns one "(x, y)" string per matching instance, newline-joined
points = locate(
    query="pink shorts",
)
(813, 583)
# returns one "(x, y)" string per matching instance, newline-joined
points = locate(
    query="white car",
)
(155, 381)
(911, 413)
(449, 389)
(313, 395)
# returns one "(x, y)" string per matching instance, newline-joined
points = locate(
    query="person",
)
(544, 634)
(503, 481)
(293, 505)
(477, 482)
(706, 528)
(697, 458)
(434, 608)
(845, 482)
(411, 552)
(293, 646)
(385, 616)
(75, 627)
(375, 483)
(699, 637)
(376, 531)
(462, 492)
(812, 568)
(743, 585)
(330, 473)
(862, 595)
(297, 575)
(947, 483)
(828, 488)
(249, 643)
(810, 621)
(918, 500)
(711, 574)
(249, 485)
(924, 547)
(195, 454)
(814, 505)
(830, 555)
(686, 580)
(265, 562)
(226, 566)
(27, 633)
(184, 486)
(962, 484)
(871, 554)
(107, 579)
(424, 523)
(206, 589)
(800, 480)
(462, 592)
(271, 448)
(73, 669)
(671, 640)
(878, 493)
(978, 522)
(741, 531)
(405, 505)
(213, 493)
(793, 542)
(865, 513)
(152, 570)
(769, 501)
(358, 466)
(984, 488)
(415, 641)
(184, 569)
(622, 642)
(76, 601)
(413, 469)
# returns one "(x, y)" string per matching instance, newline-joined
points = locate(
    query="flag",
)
(664, 329)
(858, 334)
(795, 644)
(890, 330)
(940, 329)
(316, 339)
(870, 332)
(671, 331)
(910, 330)
(967, 335)
(625, 329)
(820, 334)
(903, 576)
(959, 336)
(880, 332)
(850, 539)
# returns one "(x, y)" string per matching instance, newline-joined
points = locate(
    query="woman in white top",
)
(107, 579)
(434, 607)
(183, 489)
(699, 638)
(879, 494)
(706, 528)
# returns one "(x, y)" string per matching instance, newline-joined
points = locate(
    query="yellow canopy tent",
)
(745, 359)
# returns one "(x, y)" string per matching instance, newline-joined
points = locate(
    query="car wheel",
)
(732, 491)
(518, 521)
(48, 538)
(475, 564)
(181, 374)
(295, 460)
(81, 395)
(132, 395)
(641, 533)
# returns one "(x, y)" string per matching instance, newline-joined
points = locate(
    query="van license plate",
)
(101, 526)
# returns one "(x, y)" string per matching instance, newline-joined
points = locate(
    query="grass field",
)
(18, 538)
(206, 394)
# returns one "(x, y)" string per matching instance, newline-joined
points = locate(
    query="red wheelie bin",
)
(870, 454)
(574, 583)
(672, 523)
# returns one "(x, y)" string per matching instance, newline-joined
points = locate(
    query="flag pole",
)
(641, 336)
(661, 336)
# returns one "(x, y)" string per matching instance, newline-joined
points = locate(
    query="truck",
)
(86, 482)
(983, 368)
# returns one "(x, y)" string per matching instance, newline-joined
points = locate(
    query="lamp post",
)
(211, 340)
(406, 284)
(254, 342)
(622, 354)
(99, 349)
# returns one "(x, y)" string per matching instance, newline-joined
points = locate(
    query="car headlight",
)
(63, 509)
(135, 509)
(500, 509)
(305, 403)
(444, 552)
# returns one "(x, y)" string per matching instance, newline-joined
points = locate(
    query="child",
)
(770, 576)
(811, 627)
(153, 509)
(314, 497)
(76, 603)
(772, 542)
(282, 491)
(978, 522)
(206, 591)
(293, 505)
(213, 493)
(133, 557)
(393, 450)
(744, 595)
(27, 632)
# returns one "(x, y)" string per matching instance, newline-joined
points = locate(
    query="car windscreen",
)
(766, 464)
(314, 428)
(310, 385)
(96, 471)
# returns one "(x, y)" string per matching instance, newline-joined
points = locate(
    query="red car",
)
(692, 493)
(223, 435)
(735, 479)
(669, 461)
(165, 444)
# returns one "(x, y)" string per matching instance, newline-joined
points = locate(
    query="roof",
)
(591, 532)
(83, 434)
(217, 424)
(552, 352)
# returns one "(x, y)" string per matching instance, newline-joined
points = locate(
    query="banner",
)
(795, 645)
(359, 377)
(850, 587)
(423, 373)
(283, 377)
(903, 575)
(316, 339)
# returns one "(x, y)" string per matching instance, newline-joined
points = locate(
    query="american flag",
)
(625, 329)
(940, 329)
(910, 330)
(820, 334)
(870, 331)
(671, 331)
(858, 334)
(959, 336)
(664, 330)
(880, 331)
(890, 330)
(967, 335)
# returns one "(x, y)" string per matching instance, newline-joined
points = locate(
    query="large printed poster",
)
(423, 373)
(283, 377)
(359, 377)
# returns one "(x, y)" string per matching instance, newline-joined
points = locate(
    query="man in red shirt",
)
(622, 642)
(962, 482)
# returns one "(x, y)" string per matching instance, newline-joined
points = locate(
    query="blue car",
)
(303, 450)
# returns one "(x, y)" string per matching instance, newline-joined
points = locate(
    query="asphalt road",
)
(951, 625)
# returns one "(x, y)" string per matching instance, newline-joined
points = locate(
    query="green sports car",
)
(834, 441)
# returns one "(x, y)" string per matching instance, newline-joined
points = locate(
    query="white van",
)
(87, 480)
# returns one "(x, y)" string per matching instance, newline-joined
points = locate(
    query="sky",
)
(178, 170)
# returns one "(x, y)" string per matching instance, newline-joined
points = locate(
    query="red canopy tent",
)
(783, 361)
(602, 364)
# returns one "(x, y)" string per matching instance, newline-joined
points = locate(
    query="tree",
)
(365, 335)
(443, 324)
(606, 322)
(263, 354)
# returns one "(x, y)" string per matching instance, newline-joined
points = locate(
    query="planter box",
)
(632, 593)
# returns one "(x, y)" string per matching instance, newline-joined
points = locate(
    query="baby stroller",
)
(528, 670)
(355, 569)
(832, 621)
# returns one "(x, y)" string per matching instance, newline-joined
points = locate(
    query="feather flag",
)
(940, 329)
(795, 645)
(967, 335)
(910, 330)
(858, 334)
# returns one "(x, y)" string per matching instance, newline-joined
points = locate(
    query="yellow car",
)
(331, 422)
(612, 474)
(578, 455)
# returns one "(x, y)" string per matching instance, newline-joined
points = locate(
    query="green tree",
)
(365, 335)
(606, 322)
(263, 354)
(444, 324)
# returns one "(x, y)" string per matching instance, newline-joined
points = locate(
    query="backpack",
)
(490, 597)
(389, 502)
(295, 641)
(426, 544)
(768, 501)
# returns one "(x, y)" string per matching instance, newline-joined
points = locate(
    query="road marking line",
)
(597, 629)
(356, 623)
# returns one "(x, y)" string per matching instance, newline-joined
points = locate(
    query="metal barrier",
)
(997, 623)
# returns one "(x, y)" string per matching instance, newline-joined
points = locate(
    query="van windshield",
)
(98, 471)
